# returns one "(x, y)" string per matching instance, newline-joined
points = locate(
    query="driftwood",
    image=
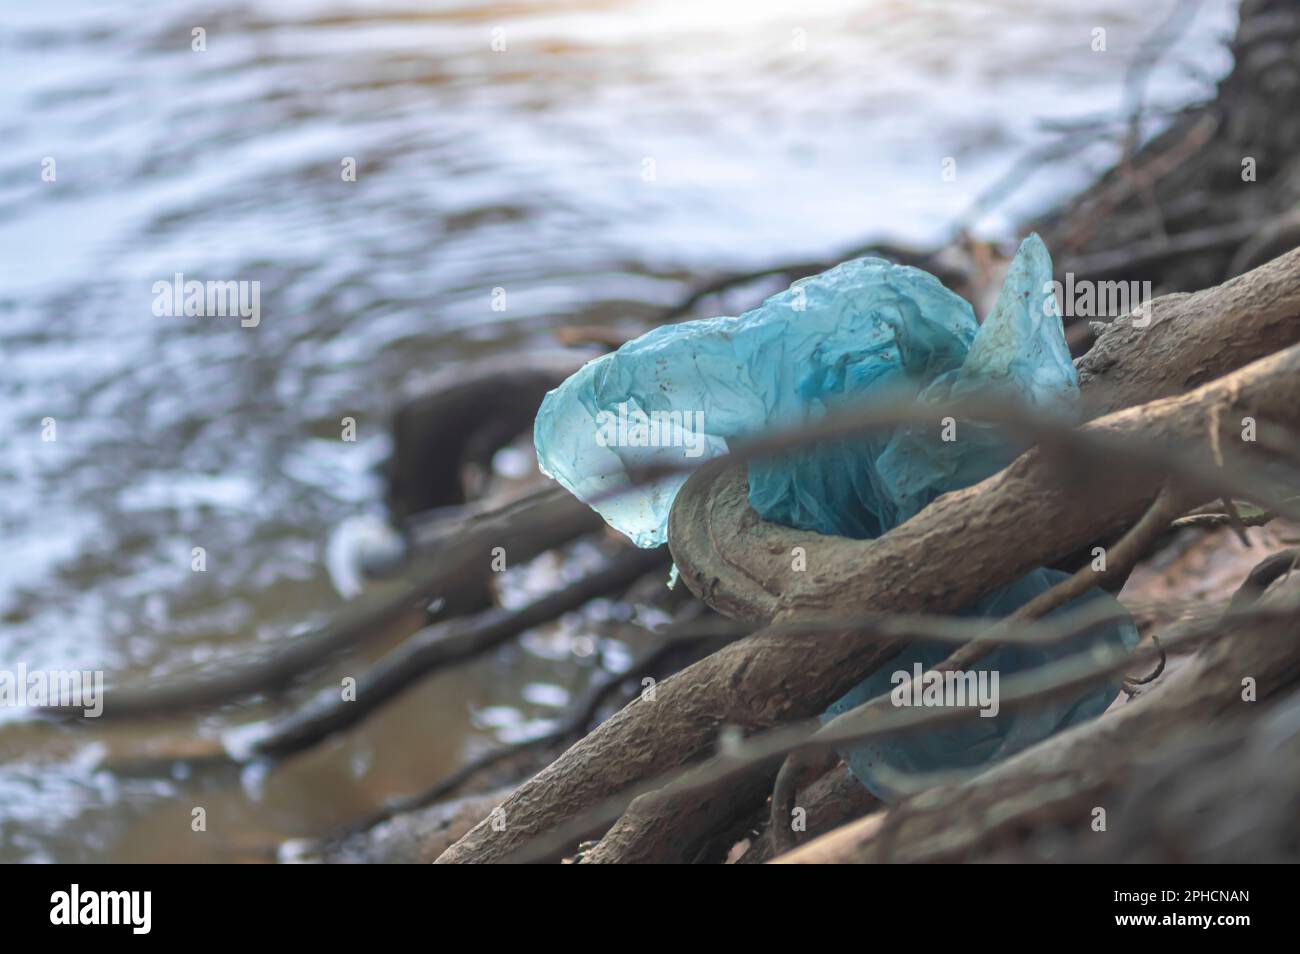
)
(764, 680)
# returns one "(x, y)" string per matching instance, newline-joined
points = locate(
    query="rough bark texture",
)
(771, 678)
(1192, 339)
(1043, 800)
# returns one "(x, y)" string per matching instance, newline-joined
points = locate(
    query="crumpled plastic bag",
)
(864, 331)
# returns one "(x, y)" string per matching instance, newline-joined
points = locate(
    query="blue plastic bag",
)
(866, 330)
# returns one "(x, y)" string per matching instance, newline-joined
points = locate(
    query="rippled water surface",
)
(610, 153)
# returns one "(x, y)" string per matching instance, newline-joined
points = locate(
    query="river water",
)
(589, 157)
